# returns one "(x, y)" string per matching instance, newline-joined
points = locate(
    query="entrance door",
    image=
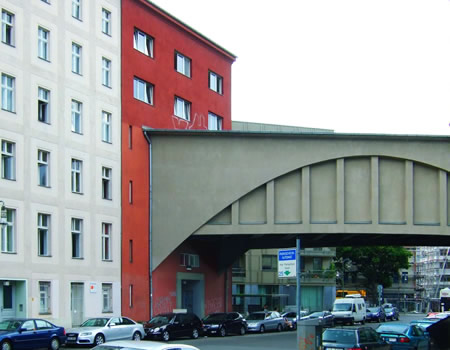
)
(187, 292)
(7, 300)
(77, 303)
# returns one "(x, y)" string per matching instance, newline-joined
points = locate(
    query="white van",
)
(350, 309)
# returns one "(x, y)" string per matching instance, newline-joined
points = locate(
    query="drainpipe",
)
(150, 243)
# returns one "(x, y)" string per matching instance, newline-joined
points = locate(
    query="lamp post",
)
(3, 221)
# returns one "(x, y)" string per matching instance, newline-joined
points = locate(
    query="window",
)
(130, 136)
(43, 105)
(76, 58)
(8, 160)
(130, 192)
(182, 108)
(77, 231)
(405, 277)
(106, 72)
(130, 293)
(77, 168)
(106, 241)
(9, 232)
(44, 298)
(130, 250)
(182, 64)
(43, 168)
(214, 122)
(43, 44)
(8, 93)
(76, 9)
(143, 42)
(106, 127)
(7, 28)
(77, 116)
(143, 91)
(317, 264)
(189, 260)
(106, 183)
(107, 297)
(269, 262)
(215, 82)
(106, 22)
(43, 234)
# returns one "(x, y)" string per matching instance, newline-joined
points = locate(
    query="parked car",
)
(290, 320)
(223, 323)
(262, 321)
(392, 313)
(173, 325)
(326, 318)
(404, 336)
(425, 322)
(30, 333)
(102, 329)
(375, 314)
(353, 338)
(132, 345)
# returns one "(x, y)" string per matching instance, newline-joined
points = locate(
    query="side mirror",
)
(112, 324)
(22, 330)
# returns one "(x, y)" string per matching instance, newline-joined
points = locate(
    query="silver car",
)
(101, 329)
(144, 345)
(265, 321)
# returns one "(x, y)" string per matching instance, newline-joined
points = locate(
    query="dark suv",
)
(223, 323)
(173, 325)
(353, 338)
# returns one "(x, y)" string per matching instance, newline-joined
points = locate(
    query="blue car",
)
(404, 336)
(30, 333)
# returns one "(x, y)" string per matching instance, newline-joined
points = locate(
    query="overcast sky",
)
(356, 66)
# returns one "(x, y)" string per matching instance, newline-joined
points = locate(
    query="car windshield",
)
(215, 317)
(95, 322)
(342, 307)
(393, 328)
(161, 319)
(10, 325)
(372, 309)
(316, 315)
(341, 336)
(256, 316)
(389, 309)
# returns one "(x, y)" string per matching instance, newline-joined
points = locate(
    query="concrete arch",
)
(252, 190)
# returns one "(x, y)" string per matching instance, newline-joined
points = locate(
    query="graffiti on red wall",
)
(199, 122)
(164, 304)
(214, 305)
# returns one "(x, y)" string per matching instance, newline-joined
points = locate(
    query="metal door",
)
(77, 303)
(7, 300)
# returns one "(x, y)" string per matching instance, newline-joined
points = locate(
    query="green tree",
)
(377, 264)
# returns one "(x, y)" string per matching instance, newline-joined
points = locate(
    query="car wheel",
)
(363, 321)
(137, 336)
(54, 344)
(262, 329)
(6, 345)
(99, 339)
(194, 333)
(166, 336)
(279, 328)
(242, 330)
(223, 332)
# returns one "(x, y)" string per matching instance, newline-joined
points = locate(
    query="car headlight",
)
(252, 324)
(156, 329)
(84, 334)
(214, 326)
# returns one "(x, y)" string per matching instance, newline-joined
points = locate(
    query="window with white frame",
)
(76, 9)
(182, 64)
(77, 236)
(143, 91)
(8, 160)
(214, 121)
(106, 183)
(9, 232)
(43, 234)
(43, 168)
(77, 169)
(106, 241)
(106, 22)
(107, 297)
(143, 42)
(44, 298)
(182, 108)
(8, 93)
(215, 82)
(106, 72)
(43, 43)
(189, 260)
(7, 28)
(77, 117)
(44, 105)
(106, 127)
(76, 58)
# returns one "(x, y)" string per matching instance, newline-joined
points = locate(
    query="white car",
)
(102, 329)
(144, 345)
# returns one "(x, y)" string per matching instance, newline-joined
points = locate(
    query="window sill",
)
(77, 73)
(77, 258)
(7, 110)
(176, 116)
(44, 186)
(107, 86)
(45, 313)
(44, 122)
(11, 45)
(80, 193)
(107, 312)
(44, 256)
(44, 59)
(108, 142)
(108, 261)
(11, 253)
(5, 178)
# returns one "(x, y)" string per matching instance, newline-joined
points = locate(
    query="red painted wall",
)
(169, 35)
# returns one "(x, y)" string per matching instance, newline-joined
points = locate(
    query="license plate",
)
(71, 338)
(327, 348)
(392, 339)
(213, 331)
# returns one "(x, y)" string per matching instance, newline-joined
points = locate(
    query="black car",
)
(353, 338)
(375, 314)
(392, 313)
(223, 323)
(173, 325)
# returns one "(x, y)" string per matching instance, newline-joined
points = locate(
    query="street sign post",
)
(287, 263)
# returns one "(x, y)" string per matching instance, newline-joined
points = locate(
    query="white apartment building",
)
(60, 159)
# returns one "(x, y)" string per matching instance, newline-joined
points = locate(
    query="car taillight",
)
(64, 332)
(403, 340)
(355, 349)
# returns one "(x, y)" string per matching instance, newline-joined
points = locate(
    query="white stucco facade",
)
(60, 253)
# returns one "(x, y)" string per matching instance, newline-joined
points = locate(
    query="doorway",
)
(191, 292)
(7, 299)
(77, 303)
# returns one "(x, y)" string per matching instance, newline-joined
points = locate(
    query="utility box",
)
(309, 334)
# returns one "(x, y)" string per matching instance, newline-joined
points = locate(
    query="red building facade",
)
(172, 78)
